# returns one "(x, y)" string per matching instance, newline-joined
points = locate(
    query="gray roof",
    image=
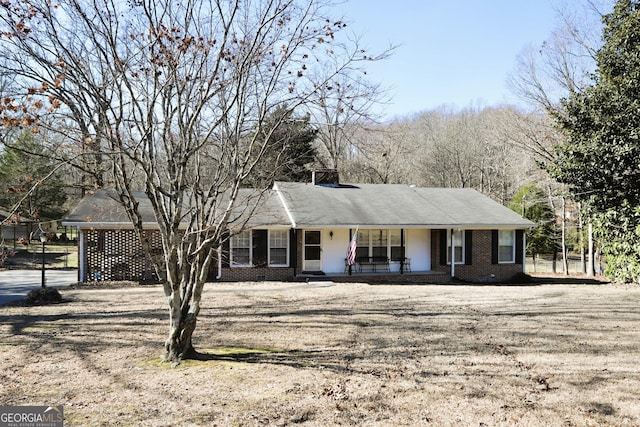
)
(4, 214)
(306, 206)
(102, 209)
(394, 205)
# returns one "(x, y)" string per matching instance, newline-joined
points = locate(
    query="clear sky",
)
(451, 52)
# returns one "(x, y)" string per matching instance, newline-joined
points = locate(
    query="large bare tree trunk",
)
(178, 345)
(565, 263)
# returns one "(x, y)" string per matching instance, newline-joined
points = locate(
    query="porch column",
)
(402, 254)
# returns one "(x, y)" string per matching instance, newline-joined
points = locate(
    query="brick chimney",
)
(326, 177)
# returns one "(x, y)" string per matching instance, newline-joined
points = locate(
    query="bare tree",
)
(469, 149)
(563, 65)
(343, 104)
(378, 154)
(174, 96)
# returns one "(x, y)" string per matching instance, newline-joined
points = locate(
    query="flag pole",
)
(351, 250)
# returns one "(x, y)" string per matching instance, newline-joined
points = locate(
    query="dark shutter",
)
(494, 246)
(293, 248)
(519, 246)
(468, 247)
(260, 241)
(443, 247)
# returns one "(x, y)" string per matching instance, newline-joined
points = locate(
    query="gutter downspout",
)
(219, 275)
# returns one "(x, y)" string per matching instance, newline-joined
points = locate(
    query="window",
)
(362, 250)
(241, 249)
(506, 246)
(379, 243)
(278, 248)
(395, 240)
(252, 248)
(458, 246)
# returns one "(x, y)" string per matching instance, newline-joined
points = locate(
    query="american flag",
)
(351, 251)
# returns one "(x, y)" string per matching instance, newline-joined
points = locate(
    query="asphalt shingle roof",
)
(394, 205)
(103, 210)
(308, 206)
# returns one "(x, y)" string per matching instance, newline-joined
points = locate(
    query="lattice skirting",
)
(117, 255)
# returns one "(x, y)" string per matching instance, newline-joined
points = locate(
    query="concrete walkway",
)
(16, 284)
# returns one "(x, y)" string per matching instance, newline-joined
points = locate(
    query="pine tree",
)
(531, 203)
(289, 150)
(26, 182)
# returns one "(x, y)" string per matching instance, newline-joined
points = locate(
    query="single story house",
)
(305, 229)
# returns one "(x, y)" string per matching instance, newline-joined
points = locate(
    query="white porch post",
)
(82, 267)
(591, 266)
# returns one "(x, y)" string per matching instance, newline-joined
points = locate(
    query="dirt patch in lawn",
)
(326, 353)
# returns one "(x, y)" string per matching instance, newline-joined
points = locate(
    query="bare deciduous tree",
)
(343, 104)
(560, 66)
(174, 97)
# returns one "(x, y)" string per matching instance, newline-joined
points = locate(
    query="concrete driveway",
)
(15, 284)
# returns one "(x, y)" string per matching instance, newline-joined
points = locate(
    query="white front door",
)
(312, 251)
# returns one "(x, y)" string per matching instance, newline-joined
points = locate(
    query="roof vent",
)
(326, 177)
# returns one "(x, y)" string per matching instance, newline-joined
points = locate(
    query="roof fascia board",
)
(284, 204)
(424, 226)
(108, 225)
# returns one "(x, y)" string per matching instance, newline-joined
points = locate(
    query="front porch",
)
(431, 277)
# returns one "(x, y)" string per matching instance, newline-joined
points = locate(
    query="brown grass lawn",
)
(323, 354)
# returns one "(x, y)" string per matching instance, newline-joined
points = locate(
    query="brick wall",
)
(256, 274)
(481, 269)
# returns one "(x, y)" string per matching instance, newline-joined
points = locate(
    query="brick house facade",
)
(304, 229)
(480, 262)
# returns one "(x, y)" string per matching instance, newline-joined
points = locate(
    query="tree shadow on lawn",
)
(524, 281)
(365, 336)
(87, 334)
(559, 279)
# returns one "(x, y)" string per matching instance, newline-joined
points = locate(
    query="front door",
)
(312, 251)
